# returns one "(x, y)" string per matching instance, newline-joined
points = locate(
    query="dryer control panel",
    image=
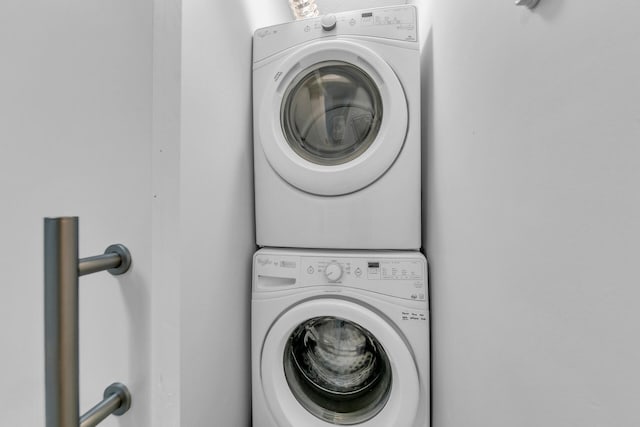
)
(393, 23)
(403, 275)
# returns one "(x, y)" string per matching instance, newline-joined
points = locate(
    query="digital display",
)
(367, 15)
(374, 265)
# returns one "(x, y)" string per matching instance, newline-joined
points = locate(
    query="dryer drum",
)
(331, 113)
(337, 370)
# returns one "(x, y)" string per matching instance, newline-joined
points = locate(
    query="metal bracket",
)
(117, 401)
(123, 393)
(125, 258)
(529, 3)
(116, 260)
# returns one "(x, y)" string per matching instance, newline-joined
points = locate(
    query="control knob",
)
(333, 271)
(328, 22)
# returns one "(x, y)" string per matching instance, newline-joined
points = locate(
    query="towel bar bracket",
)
(116, 260)
(116, 401)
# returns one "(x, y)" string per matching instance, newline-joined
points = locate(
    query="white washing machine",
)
(336, 107)
(340, 339)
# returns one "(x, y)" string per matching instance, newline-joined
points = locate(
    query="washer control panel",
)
(355, 269)
(392, 23)
(394, 274)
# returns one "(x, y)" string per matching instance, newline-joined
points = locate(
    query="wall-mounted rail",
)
(62, 268)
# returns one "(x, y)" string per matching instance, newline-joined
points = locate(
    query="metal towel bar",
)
(62, 268)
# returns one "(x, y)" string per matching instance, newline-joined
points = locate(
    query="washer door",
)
(329, 362)
(334, 118)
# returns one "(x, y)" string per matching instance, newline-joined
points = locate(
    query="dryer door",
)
(334, 119)
(330, 362)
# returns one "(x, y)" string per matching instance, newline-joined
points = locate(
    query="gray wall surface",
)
(533, 213)
(75, 139)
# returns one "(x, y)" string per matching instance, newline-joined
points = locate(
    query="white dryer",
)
(340, 338)
(336, 110)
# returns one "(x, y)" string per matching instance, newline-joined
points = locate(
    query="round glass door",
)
(329, 121)
(331, 113)
(337, 370)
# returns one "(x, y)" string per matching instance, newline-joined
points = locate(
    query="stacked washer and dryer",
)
(340, 319)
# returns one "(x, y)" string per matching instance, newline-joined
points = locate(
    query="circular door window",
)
(331, 113)
(337, 370)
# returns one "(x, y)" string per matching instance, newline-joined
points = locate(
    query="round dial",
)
(333, 271)
(328, 22)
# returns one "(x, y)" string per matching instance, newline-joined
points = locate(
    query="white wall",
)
(165, 221)
(533, 208)
(75, 138)
(216, 209)
(136, 117)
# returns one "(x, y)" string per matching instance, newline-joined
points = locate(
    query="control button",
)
(358, 272)
(310, 270)
(328, 22)
(421, 296)
(352, 22)
(414, 296)
(333, 271)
